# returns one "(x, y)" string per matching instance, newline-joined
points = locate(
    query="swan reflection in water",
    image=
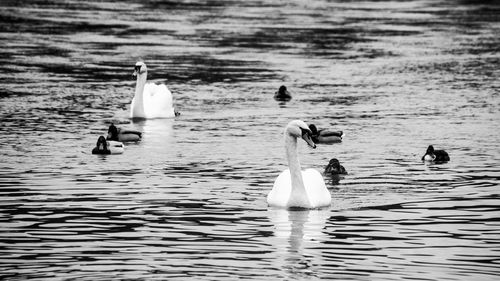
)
(157, 140)
(295, 230)
(155, 129)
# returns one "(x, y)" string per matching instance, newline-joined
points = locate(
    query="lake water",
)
(188, 201)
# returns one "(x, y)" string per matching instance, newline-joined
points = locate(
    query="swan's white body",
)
(295, 188)
(151, 100)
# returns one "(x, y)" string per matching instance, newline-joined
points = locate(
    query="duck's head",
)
(429, 154)
(282, 90)
(112, 132)
(102, 144)
(313, 129)
(299, 129)
(333, 167)
(315, 134)
(334, 163)
(430, 150)
(140, 68)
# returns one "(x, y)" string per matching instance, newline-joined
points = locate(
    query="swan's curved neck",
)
(298, 196)
(138, 109)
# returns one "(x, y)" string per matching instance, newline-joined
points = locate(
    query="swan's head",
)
(140, 68)
(299, 129)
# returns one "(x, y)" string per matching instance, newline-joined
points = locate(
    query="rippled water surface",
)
(188, 201)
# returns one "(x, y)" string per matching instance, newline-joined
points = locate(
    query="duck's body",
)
(282, 94)
(325, 136)
(116, 147)
(108, 147)
(432, 155)
(334, 168)
(150, 100)
(118, 134)
(334, 171)
(295, 188)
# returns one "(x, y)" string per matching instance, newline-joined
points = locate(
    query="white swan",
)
(151, 100)
(295, 188)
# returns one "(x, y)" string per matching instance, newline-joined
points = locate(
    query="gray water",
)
(188, 201)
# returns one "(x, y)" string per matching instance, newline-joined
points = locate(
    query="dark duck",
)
(325, 136)
(432, 155)
(101, 146)
(334, 168)
(282, 94)
(104, 146)
(117, 134)
(335, 171)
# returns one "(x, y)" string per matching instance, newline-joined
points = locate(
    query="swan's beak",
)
(137, 69)
(306, 136)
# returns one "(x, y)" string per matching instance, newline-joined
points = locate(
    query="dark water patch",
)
(48, 4)
(106, 48)
(133, 32)
(205, 4)
(470, 16)
(325, 42)
(279, 38)
(373, 53)
(465, 70)
(208, 69)
(110, 72)
(38, 50)
(186, 5)
(324, 85)
(4, 93)
(390, 32)
(218, 170)
(15, 23)
(336, 99)
(480, 46)
(479, 3)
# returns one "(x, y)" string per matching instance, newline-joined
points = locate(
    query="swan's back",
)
(317, 193)
(157, 100)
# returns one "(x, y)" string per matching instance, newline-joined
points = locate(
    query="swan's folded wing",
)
(316, 188)
(158, 100)
(282, 188)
